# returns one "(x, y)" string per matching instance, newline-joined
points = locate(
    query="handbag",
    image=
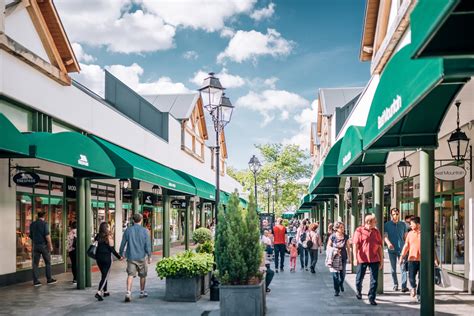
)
(437, 275)
(445, 282)
(92, 250)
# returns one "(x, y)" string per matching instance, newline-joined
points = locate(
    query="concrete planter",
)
(183, 289)
(205, 283)
(245, 300)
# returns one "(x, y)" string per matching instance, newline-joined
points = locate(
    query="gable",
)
(26, 35)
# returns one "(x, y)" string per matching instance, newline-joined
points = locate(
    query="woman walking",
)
(338, 247)
(314, 244)
(301, 237)
(105, 249)
(71, 249)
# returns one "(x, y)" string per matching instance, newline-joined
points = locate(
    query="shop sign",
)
(449, 173)
(71, 188)
(389, 112)
(26, 179)
(149, 199)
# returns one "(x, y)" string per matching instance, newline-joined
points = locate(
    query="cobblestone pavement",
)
(293, 293)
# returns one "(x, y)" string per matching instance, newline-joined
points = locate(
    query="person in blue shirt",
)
(395, 233)
(137, 246)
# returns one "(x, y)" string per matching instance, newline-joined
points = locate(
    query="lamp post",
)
(254, 166)
(268, 188)
(404, 168)
(458, 142)
(220, 108)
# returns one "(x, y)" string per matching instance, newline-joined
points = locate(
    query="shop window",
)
(57, 186)
(447, 185)
(24, 218)
(458, 184)
(103, 206)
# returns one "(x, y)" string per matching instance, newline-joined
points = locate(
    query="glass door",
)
(458, 233)
(444, 216)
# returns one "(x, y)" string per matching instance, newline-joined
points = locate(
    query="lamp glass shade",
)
(404, 168)
(458, 143)
(211, 92)
(225, 111)
(254, 164)
(124, 183)
(156, 189)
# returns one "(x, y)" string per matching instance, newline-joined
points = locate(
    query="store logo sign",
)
(346, 158)
(389, 112)
(172, 185)
(27, 179)
(449, 173)
(148, 200)
(83, 160)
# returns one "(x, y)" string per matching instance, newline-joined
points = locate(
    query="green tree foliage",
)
(283, 166)
(238, 250)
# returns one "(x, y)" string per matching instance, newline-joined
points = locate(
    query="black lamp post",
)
(458, 141)
(254, 166)
(220, 108)
(268, 188)
(404, 168)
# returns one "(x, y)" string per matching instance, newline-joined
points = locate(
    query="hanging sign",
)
(26, 179)
(71, 188)
(449, 173)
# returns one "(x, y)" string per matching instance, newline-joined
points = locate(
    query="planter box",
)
(245, 300)
(205, 283)
(183, 290)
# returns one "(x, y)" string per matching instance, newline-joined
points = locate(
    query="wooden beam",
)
(27, 56)
(45, 35)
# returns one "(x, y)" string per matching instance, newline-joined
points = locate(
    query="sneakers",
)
(395, 288)
(281, 270)
(143, 294)
(336, 294)
(106, 294)
(359, 295)
(74, 282)
(98, 297)
(306, 268)
(52, 281)
(128, 297)
(404, 290)
(276, 270)
(373, 302)
(342, 287)
(37, 283)
(413, 293)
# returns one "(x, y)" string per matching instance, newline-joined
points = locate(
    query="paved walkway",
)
(298, 293)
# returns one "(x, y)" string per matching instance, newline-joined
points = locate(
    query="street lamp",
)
(404, 168)
(268, 188)
(458, 141)
(123, 184)
(220, 108)
(254, 166)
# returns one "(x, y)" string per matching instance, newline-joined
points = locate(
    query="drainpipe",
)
(378, 206)
(166, 224)
(340, 207)
(81, 234)
(354, 209)
(187, 214)
(427, 232)
(88, 229)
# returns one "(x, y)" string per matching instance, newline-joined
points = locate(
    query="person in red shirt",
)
(279, 244)
(368, 253)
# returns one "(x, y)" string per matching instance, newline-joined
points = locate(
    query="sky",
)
(272, 56)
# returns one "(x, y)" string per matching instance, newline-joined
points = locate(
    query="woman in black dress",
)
(105, 249)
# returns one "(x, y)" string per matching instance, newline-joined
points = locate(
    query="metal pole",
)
(340, 207)
(325, 218)
(218, 149)
(354, 209)
(88, 229)
(378, 207)
(320, 220)
(186, 222)
(268, 207)
(427, 232)
(332, 215)
(135, 196)
(81, 234)
(202, 217)
(166, 224)
(255, 188)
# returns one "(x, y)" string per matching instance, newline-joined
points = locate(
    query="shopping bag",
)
(445, 282)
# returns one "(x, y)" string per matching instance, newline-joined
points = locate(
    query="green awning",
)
(412, 99)
(244, 203)
(326, 179)
(71, 149)
(353, 160)
(441, 28)
(224, 197)
(303, 210)
(204, 189)
(12, 143)
(307, 201)
(287, 215)
(130, 165)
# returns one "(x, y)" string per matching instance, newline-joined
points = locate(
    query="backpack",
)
(303, 237)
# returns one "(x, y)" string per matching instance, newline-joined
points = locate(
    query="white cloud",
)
(81, 55)
(270, 102)
(304, 119)
(252, 44)
(198, 14)
(191, 55)
(227, 32)
(263, 13)
(92, 76)
(227, 80)
(270, 82)
(284, 115)
(109, 23)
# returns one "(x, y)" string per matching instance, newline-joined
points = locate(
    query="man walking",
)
(413, 249)
(368, 253)
(279, 244)
(395, 233)
(42, 247)
(138, 248)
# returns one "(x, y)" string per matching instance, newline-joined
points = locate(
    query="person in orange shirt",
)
(413, 249)
(279, 244)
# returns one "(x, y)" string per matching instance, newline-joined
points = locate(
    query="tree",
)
(283, 165)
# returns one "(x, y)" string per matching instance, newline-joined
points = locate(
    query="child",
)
(293, 255)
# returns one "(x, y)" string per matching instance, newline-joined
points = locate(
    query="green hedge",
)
(185, 265)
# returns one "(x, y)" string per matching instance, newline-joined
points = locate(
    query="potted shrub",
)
(183, 274)
(238, 259)
(203, 238)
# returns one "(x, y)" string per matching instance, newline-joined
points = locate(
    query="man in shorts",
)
(136, 240)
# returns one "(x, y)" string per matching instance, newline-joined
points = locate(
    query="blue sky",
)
(273, 56)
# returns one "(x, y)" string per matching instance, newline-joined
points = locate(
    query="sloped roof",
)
(314, 133)
(343, 113)
(332, 98)
(180, 106)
